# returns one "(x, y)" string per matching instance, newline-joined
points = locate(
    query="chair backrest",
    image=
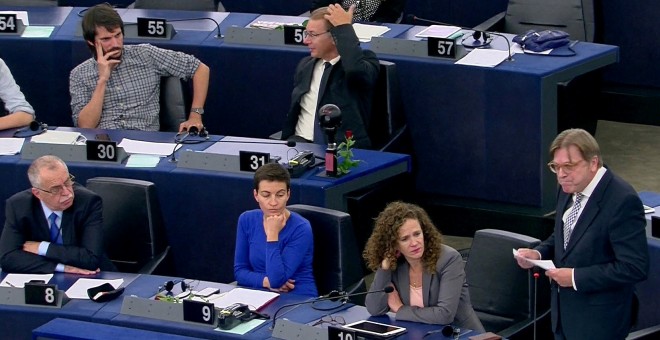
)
(188, 5)
(386, 116)
(133, 227)
(502, 293)
(337, 260)
(576, 17)
(174, 103)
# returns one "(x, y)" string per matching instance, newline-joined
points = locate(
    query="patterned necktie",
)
(572, 218)
(318, 133)
(55, 236)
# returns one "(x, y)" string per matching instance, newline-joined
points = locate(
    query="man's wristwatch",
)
(199, 110)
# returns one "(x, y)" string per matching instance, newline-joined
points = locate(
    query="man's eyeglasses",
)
(307, 34)
(59, 189)
(332, 320)
(567, 167)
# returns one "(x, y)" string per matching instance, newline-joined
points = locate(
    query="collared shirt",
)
(10, 92)
(43, 246)
(132, 95)
(309, 101)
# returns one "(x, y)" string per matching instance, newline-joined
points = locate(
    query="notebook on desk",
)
(56, 137)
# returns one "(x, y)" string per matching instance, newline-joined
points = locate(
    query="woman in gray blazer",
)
(406, 252)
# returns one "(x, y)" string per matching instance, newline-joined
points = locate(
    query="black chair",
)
(186, 5)
(174, 103)
(573, 16)
(133, 227)
(337, 260)
(385, 123)
(503, 294)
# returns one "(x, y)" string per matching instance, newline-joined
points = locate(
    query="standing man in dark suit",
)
(351, 74)
(56, 226)
(598, 245)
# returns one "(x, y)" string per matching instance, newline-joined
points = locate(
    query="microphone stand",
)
(536, 280)
(179, 142)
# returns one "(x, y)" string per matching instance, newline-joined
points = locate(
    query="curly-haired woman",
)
(406, 252)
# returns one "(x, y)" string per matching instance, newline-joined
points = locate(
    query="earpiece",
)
(33, 129)
(449, 330)
(194, 131)
(479, 39)
(169, 285)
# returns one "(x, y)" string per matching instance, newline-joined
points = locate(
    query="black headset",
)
(201, 136)
(479, 39)
(35, 128)
(169, 285)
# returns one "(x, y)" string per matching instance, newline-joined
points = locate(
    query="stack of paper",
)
(438, 31)
(56, 137)
(147, 148)
(366, 32)
(11, 146)
(255, 299)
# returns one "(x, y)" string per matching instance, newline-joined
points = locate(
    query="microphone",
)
(288, 143)
(341, 296)
(412, 18)
(536, 275)
(193, 19)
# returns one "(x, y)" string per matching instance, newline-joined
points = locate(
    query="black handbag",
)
(539, 41)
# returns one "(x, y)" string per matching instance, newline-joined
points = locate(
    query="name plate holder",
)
(11, 25)
(412, 48)
(16, 297)
(67, 152)
(258, 36)
(288, 330)
(161, 310)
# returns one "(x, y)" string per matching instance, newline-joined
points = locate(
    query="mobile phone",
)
(103, 137)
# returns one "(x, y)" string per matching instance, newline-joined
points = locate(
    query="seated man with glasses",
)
(56, 226)
(337, 72)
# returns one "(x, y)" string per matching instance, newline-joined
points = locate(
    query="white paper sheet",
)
(545, 264)
(79, 289)
(19, 280)
(438, 31)
(11, 146)
(484, 57)
(366, 32)
(56, 137)
(255, 299)
(147, 148)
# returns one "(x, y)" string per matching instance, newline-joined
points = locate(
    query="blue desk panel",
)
(201, 207)
(73, 329)
(17, 322)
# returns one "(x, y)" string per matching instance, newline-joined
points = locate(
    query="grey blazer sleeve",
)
(442, 295)
(376, 303)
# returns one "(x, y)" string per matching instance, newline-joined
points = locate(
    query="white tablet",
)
(375, 328)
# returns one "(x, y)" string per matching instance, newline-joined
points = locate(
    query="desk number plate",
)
(101, 151)
(40, 294)
(152, 28)
(251, 161)
(8, 23)
(336, 333)
(197, 311)
(443, 48)
(293, 35)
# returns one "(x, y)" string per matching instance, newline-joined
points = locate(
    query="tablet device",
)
(375, 329)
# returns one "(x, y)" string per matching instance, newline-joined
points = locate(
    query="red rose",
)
(349, 134)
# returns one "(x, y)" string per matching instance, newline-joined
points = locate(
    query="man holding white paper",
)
(598, 245)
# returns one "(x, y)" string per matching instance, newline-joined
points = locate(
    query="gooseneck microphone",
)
(204, 18)
(536, 282)
(288, 143)
(412, 18)
(341, 296)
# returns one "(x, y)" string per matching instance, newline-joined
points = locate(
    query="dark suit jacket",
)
(388, 11)
(445, 292)
(82, 232)
(350, 86)
(609, 252)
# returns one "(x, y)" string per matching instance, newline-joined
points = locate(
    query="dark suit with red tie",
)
(349, 86)
(609, 254)
(82, 234)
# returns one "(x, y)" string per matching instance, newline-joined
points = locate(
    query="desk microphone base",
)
(287, 330)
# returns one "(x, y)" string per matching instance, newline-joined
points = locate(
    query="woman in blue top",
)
(274, 247)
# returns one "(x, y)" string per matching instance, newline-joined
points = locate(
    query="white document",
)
(484, 57)
(438, 31)
(142, 161)
(23, 15)
(56, 137)
(545, 264)
(79, 289)
(19, 280)
(366, 32)
(147, 148)
(11, 146)
(255, 299)
(38, 31)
